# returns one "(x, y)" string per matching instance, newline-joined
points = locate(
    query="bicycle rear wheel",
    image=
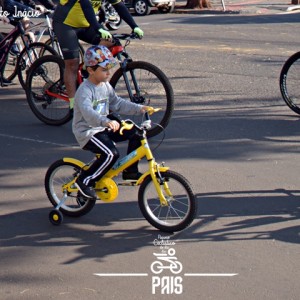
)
(59, 174)
(10, 70)
(181, 208)
(149, 86)
(28, 56)
(290, 82)
(46, 94)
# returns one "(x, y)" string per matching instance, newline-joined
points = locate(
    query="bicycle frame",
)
(41, 28)
(136, 155)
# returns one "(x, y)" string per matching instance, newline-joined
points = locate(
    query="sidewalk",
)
(241, 7)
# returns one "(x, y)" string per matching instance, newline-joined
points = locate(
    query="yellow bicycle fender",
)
(161, 170)
(74, 161)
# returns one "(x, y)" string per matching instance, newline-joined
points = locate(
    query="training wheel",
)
(55, 217)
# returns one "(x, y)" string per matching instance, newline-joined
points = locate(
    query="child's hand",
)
(113, 125)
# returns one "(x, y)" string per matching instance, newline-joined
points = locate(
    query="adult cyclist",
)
(76, 19)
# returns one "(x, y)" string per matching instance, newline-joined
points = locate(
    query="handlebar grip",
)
(125, 126)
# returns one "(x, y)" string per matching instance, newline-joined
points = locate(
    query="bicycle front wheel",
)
(147, 85)
(181, 206)
(289, 82)
(46, 93)
(28, 56)
(59, 174)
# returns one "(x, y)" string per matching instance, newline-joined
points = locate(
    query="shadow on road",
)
(256, 208)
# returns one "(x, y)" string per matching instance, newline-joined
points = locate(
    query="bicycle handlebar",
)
(146, 125)
(125, 36)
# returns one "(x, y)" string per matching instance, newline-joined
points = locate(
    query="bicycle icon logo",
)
(166, 261)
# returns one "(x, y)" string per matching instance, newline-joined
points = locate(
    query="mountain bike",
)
(165, 197)
(289, 82)
(143, 82)
(17, 52)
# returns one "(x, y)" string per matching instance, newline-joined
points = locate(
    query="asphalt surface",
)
(233, 138)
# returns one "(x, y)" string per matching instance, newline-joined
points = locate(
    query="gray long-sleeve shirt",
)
(92, 104)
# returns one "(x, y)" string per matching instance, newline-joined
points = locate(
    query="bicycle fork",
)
(160, 184)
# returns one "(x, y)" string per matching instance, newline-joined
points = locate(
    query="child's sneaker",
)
(85, 190)
(131, 176)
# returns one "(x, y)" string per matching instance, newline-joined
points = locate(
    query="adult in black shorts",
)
(76, 19)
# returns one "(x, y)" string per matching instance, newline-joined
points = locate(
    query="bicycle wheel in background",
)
(290, 82)
(10, 69)
(28, 56)
(59, 174)
(45, 91)
(149, 86)
(181, 208)
(55, 44)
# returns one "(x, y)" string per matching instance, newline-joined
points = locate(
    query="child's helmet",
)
(99, 56)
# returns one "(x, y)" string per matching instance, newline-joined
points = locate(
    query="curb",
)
(240, 8)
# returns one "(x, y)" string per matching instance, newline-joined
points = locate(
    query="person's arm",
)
(29, 3)
(48, 4)
(89, 14)
(120, 105)
(124, 13)
(10, 7)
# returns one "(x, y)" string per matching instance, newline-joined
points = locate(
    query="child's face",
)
(99, 75)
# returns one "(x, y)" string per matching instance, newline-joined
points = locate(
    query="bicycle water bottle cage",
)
(126, 125)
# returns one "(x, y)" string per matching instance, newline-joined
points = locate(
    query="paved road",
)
(231, 135)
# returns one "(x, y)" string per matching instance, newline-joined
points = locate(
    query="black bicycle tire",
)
(71, 213)
(192, 199)
(23, 52)
(156, 129)
(283, 82)
(32, 70)
(15, 71)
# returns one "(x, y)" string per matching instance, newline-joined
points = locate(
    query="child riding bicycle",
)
(94, 127)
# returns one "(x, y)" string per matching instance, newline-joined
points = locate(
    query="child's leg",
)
(100, 143)
(133, 143)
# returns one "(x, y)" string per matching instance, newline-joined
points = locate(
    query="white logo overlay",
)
(19, 14)
(166, 270)
(167, 267)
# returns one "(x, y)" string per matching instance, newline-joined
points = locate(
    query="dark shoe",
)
(5, 81)
(131, 176)
(85, 190)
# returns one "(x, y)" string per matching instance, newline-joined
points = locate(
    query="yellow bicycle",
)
(165, 197)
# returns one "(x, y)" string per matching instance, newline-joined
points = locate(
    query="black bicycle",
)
(143, 82)
(290, 82)
(13, 59)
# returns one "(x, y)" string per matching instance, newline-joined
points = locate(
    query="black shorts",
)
(68, 38)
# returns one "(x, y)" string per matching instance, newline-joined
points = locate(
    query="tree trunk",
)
(198, 4)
